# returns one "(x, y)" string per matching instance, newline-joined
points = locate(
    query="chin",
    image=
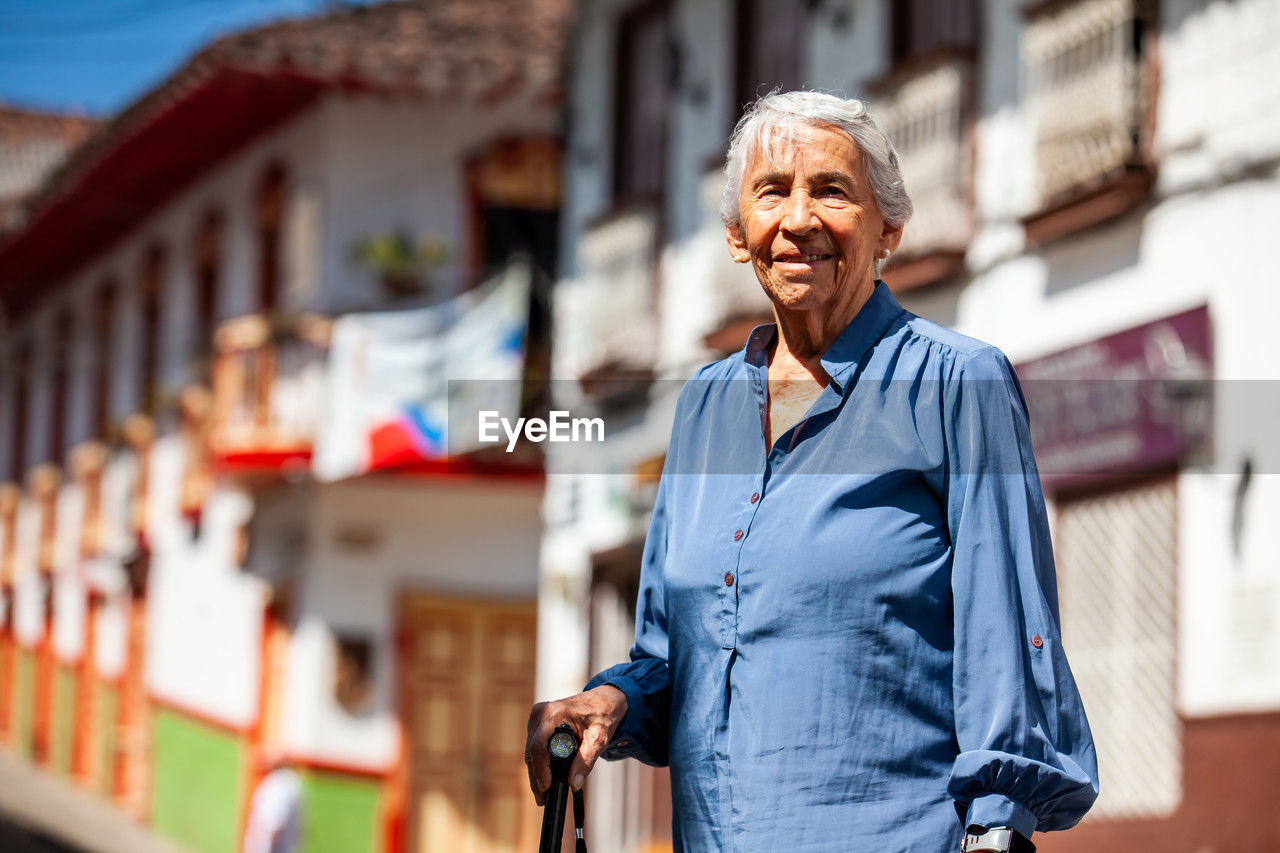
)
(799, 295)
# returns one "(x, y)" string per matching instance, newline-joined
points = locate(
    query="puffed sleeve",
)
(1026, 755)
(645, 681)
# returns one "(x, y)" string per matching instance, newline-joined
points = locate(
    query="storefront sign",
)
(1135, 401)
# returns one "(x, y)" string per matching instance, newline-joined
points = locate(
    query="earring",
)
(885, 254)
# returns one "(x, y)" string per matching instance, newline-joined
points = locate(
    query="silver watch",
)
(995, 840)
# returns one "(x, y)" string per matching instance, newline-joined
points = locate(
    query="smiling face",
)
(809, 223)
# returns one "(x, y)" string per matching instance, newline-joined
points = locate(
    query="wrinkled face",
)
(809, 222)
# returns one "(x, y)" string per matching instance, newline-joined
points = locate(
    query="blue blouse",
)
(849, 640)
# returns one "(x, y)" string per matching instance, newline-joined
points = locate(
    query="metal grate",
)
(1116, 571)
(1086, 91)
(923, 113)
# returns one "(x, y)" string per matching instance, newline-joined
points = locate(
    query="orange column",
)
(265, 736)
(84, 755)
(8, 660)
(133, 762)
(42, 723)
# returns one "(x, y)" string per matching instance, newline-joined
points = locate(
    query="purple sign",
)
(1135, 401)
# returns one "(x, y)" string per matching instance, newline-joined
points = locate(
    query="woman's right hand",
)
(594, 716)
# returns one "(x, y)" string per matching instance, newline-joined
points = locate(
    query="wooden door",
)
(467, 683)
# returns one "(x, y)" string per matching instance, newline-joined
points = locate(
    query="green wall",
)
(340, 813)
(64, 718)
(24, 701)
(199, 773)
(108, 715)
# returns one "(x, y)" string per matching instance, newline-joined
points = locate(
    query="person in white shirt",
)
(275, 812)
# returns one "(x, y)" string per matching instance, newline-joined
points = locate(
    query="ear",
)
(736, 240)
(890, 237)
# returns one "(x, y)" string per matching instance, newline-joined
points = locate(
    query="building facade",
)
(1094, 182)
(185, 601)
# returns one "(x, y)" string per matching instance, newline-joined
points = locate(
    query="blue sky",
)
(97, 56)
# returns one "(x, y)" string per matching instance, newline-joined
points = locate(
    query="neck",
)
(805, 335)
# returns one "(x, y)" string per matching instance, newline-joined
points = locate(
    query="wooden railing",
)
(737, 299)
(923, 110)
(1087, 93)
(88, 462)
(10, 495)
(615, 318)
(267, 384)
(43, 484)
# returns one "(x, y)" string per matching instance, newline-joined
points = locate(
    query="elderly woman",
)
(846, 639)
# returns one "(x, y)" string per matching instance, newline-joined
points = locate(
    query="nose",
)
(798, 216)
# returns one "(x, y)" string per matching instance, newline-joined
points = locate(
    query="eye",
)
(831, 191)
(771, 191)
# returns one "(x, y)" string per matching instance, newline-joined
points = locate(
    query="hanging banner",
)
(389, 383)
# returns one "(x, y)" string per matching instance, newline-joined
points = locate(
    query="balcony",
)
(924, 108)
(738, 302)
(614, 322)
(1089, 98)
(10, 497)
(268, 382)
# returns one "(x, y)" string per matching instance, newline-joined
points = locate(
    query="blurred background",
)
(249, 248)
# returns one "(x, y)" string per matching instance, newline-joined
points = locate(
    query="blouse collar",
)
(850, 348)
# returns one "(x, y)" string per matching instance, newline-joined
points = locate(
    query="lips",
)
(801, 258)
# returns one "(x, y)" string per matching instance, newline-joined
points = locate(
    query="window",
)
(770, 44)
(1116, 572)
(353, 672)
(153, 267)
(923, 27)
(21, 384)
(644, 77)
(270, 222)
(208, 270)
(104, 315)
(514, 187)
(63, 341)
(925, 104)
(1091, 80)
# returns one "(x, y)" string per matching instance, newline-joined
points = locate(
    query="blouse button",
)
(1037, 641)
(737, 535)
(755, 497)
(728, 578)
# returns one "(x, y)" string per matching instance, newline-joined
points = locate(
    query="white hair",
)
(757, 131)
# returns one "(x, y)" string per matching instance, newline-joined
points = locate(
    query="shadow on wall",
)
(940, 304)
(1104, 252)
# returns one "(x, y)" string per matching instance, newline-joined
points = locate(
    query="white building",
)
(183, 598)
(1095, 188)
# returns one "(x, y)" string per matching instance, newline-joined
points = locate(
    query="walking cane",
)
(563, 746)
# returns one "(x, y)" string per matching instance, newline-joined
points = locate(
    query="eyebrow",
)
(834, 178)
(767, 178)
(776, 177)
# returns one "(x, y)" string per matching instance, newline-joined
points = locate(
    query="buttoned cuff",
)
(631, 723)
(998, 810)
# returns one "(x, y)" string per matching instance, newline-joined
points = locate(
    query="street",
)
(16, 838)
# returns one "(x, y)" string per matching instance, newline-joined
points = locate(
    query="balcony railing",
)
(88, 464)
(10, 497)
(616, 324)
(43, 483)
(738, 302)
(923, 109)
(1088, 95)
(268, 386)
